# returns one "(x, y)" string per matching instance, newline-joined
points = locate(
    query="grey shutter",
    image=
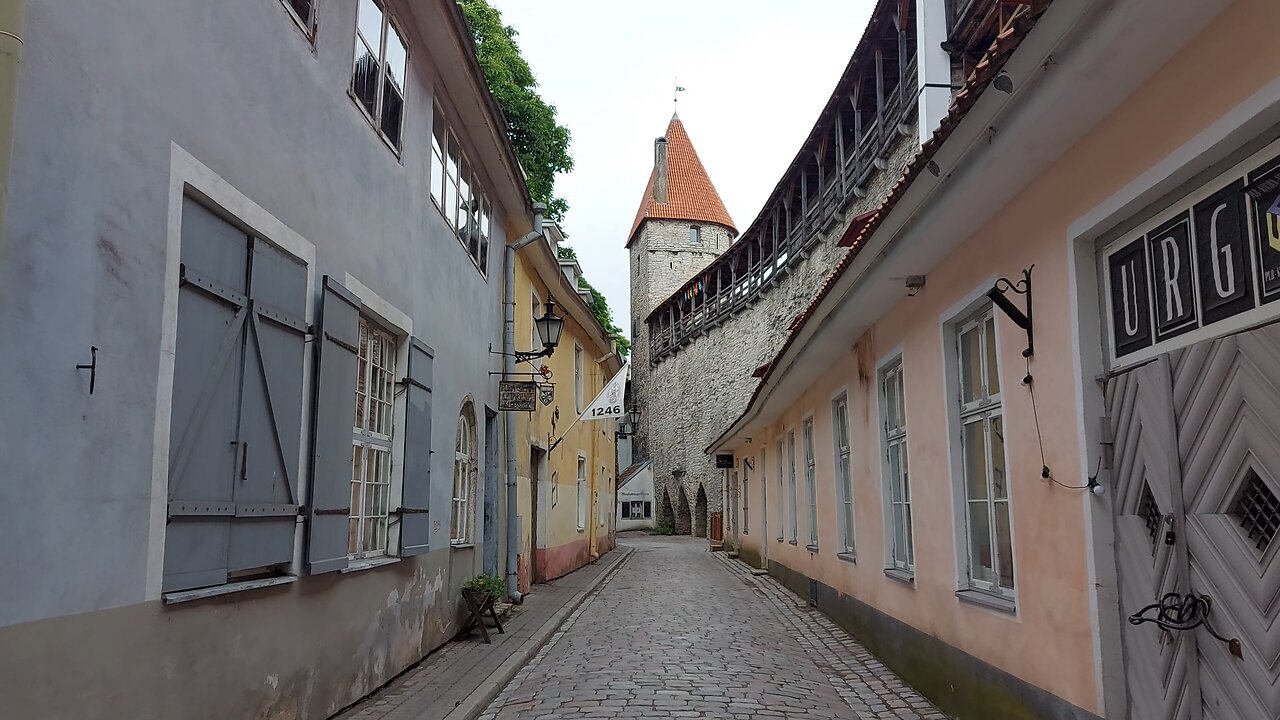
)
(648, 509)
(203, 448)
(336, 368)
(415, 522)
(263, 531)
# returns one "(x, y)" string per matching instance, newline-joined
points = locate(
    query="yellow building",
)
(566, 471)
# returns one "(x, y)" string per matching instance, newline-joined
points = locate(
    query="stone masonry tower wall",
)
(702, 383)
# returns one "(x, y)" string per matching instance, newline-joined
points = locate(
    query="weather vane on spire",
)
(675, 96)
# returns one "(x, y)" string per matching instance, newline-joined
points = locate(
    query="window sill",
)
(461, 545)
(848, 557)
(369, 564)
(811, 548)
(985, 599)
(373, 125)
(780, 540)
(182, 596)
(791, 542)
(901, 576)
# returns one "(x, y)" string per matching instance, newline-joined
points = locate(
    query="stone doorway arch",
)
(666, 514)
(700, 513)
(683, 521)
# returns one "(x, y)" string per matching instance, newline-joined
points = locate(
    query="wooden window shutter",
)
(415, 496)
(336, 370)
(262, 533)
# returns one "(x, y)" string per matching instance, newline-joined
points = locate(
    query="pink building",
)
(987, 505)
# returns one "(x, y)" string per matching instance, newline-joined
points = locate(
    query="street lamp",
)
(630, 425)
(549, 327)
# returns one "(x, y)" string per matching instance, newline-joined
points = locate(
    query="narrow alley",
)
(680, 632)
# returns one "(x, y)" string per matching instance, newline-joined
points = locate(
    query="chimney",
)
(660, 171)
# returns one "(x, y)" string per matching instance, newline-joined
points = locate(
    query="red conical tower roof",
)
(690, 194)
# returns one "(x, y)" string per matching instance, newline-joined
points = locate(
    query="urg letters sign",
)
(1206, 264)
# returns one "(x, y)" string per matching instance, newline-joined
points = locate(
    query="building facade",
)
(566, 469)
(994, 484)
(635, 497)
(254, 253)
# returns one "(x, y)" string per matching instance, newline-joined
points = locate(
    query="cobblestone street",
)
(681, 632)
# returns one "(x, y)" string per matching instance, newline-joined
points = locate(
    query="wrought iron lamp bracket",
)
(998, 295)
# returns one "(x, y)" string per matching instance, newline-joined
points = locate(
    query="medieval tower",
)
(711, 307)
(681, 226)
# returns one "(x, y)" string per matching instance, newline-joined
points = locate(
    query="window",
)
(791, 485)
(462, 521)
(371, 456)
(455, 190)
(382, 59)
(982, 442)
(810, 482)
(579, 386)
(746, 515)
(635, 510)
(695, 235)
(897, 488)
(582, 492)
(781, 495)
(304, 11)
(844, 470)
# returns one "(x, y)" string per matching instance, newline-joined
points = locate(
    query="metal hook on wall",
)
(92, 367)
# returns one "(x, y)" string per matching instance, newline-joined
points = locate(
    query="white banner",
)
(608, 404)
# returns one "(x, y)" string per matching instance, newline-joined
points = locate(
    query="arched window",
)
(462, 522)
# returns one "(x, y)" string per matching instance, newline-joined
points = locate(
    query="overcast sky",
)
(755, 72)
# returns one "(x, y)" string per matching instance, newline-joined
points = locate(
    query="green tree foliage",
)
(599, 306)
(541, 143)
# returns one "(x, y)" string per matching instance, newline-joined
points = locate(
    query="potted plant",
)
(483, 587)
(481, 593)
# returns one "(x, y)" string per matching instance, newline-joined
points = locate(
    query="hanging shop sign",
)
(608, 404)
(547, 393)
(517, 395)
(1214, 256)
(724, 461)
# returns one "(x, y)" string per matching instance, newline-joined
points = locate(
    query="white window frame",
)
(306, 25)
(582, 491)
(466, 461)
(372, 477)
(782, 525)
(896, 468)
(810, 480)
(535, 342)
(457, 193)
(695, 235)
(746, 506)
(986, 411)
(600, 506)
(843, 456)
(792, 499)
(388, 26)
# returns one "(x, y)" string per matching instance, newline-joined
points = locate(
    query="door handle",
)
(244, 461)
(1184, 612)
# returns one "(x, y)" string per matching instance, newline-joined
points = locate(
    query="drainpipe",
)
(509, 367)
(11, 16)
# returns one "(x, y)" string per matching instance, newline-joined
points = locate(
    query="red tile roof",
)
(690, 194)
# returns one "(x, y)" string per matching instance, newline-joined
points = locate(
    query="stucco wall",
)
(105, 88)
(560, 546)
(1049, 641)
(691, 396)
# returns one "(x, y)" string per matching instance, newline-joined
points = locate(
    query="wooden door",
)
(1197, 464)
